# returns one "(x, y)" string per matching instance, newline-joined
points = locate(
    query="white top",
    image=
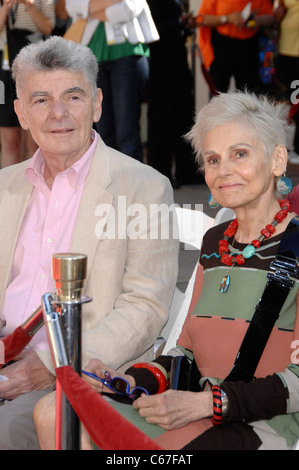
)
(132, 17)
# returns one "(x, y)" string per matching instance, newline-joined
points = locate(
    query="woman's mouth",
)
(228, 186)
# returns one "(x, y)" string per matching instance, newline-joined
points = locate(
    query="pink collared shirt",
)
(47, 228)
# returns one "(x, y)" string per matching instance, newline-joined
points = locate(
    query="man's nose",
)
(59, 110)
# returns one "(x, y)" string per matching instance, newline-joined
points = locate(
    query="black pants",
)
(171, 114)
(228, 436)
(238, 58)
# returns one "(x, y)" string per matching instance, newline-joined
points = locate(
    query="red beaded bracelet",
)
(217, 405)
(162, 380)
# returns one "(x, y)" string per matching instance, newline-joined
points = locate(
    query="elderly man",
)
(56, 202)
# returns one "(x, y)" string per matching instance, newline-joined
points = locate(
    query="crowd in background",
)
(259, 50)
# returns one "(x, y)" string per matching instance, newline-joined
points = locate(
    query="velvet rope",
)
(294, 109)
(108, 429)
(14, 344)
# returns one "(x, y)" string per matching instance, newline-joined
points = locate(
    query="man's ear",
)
(280, 160)
(98, 106)
(19, 112)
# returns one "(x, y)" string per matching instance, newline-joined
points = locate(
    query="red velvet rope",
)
(108, 429)
(14, 344)
(294, 109)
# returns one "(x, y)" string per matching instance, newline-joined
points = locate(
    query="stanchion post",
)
(69, 272)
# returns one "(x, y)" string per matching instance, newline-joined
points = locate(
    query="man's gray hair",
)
(53, 54)
(266, 118)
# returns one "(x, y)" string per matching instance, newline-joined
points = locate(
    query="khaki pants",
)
(16, 424)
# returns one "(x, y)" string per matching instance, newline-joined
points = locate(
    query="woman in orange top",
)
(229, 43)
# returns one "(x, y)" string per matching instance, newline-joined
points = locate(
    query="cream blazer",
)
(131, 281)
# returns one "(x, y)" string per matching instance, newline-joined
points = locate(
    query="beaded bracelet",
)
(217, 405)
(158, 374)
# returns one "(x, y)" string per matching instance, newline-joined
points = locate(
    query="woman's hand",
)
(174, 408)
(9, 3)
(95, 366)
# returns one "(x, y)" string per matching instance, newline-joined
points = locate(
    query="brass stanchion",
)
(62, 315)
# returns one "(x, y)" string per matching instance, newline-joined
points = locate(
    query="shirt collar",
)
(75, 174)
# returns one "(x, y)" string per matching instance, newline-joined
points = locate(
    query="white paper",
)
(246, 11)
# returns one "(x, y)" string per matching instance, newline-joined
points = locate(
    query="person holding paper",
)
(120, 46)
(228, 40)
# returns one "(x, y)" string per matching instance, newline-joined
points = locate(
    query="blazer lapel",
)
(86, 235)
(13, 208)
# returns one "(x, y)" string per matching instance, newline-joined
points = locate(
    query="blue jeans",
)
(123, 83)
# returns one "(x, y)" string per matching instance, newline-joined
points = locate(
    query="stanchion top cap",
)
(68, 267)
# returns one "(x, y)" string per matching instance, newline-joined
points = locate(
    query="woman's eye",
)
(241, 153)
(212, 160)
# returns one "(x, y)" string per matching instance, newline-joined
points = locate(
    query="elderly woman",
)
(253, 400)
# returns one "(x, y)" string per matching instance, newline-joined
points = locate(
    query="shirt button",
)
(43, 276)
(49, 240)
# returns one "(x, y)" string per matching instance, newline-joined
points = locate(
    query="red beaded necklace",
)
(229, 259)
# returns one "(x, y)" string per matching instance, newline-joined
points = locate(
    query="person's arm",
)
(60, 10)
(42, 22)
(99, 5)
(261, 399)
(4, 10)
(88, 8)
(170, 410)
(213, 21)
(263, 21)
(28, 373)
(99, 15)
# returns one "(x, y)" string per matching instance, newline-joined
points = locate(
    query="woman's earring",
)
(212, 202)
(284, 185)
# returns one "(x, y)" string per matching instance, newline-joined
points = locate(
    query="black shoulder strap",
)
(268, 309)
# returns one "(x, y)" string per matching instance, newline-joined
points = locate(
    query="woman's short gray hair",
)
(53, 54)
(266, 117)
